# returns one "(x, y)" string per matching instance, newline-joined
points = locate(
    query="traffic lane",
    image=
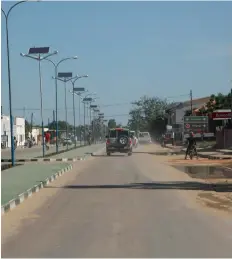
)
(103, 213)
(30, 152)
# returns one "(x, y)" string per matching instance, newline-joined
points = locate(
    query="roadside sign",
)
(220, 115)
(195, 124)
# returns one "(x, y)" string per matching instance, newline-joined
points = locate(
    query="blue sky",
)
(128, 49)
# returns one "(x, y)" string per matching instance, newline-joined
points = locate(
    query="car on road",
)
(67, 141)
(134, 139)
(145, 138)
(119, 140)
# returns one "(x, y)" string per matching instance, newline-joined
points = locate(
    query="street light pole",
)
(66, 111)
(86, 100)
(230, 81)
(84, 123)
(90, 111)
(74, 90)
(56, 71)
(67, 76)
(79, 95)
(6, 15)
(41, 105)
(39, 58)
(31, 123)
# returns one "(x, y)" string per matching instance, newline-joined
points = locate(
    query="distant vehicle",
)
(144, 138)
(67, 141)
(135, 139)
(119, 140)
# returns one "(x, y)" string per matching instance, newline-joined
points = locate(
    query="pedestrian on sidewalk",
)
(15, 143)
(173, 138)
(47, 139)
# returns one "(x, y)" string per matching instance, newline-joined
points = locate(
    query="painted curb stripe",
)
(36, 188)
(44, 160)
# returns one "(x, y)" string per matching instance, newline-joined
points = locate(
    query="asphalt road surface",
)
(117, 206)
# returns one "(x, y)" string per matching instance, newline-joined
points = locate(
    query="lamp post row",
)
(32, 54)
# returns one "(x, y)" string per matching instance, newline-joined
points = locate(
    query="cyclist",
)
(191, 144)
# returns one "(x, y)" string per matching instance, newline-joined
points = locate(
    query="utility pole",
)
(191, 101)
(31, 123)
(24, 112)
(231, 102)
(53, 116)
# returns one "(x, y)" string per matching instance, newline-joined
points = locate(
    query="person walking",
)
(47, 139)
(173, 138)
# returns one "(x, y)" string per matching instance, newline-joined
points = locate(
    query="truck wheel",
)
(130, 154)
(108, 153)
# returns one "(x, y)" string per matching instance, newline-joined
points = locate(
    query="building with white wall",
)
(5, 131)
(18, 130)
(19, 133)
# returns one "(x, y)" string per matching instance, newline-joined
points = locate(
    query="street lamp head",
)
(55, 52)
(75, 57)
(22, 54)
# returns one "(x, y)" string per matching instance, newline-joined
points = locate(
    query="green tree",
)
(61, 127)
(148, 114)
(112, 123)
(218, 101)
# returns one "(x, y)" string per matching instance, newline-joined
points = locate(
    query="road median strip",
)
(44, 160)
(72, 156)
(36, 188)
(17, 179)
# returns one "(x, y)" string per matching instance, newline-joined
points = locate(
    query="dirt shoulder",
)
(212, 191)
(217, 173)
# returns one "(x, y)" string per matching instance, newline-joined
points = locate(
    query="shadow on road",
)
(158, 153)
(104, 155)
(220, 187)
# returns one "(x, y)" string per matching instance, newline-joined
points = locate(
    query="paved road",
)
(117, 206)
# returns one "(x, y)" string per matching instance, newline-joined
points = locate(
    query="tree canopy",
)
(148, 114)
(218, 101)
(112, 124)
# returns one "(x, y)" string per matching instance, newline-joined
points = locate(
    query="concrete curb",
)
(44, 159)
(36, 188)
(214, 157)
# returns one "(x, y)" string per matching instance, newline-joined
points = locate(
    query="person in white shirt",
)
(173, 138)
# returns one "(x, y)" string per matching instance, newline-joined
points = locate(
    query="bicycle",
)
(192, 152)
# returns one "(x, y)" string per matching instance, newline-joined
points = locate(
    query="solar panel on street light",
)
(65, 74)
(39, 50)
(87, 99)
(79, 89)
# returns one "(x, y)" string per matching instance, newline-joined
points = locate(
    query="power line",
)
(103, 105)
